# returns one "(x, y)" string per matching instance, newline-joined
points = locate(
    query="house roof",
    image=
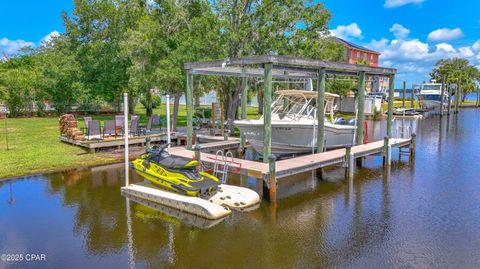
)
(355, 46)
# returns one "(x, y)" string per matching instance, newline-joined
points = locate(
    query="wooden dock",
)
(220, 145)
(93, 145)
(288, 167)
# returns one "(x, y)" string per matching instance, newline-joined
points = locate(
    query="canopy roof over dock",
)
(287, 67)
(268, 67)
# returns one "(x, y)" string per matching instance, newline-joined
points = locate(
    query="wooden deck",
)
(93, 145)
(220, 145)
(288, 167)
(248, 168)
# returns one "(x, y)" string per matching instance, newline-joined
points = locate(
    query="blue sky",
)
(410, 34)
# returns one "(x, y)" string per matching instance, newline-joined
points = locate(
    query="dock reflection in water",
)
(425, 215)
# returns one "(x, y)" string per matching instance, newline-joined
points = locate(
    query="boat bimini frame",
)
(296, 104)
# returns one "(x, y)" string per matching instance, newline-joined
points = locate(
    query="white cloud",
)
(399, 31)
(10, 47)
(13, 46)
(476, 46)
(346, 31)
(466, 52)
(49, 37)
(414, 58)
(445, 34)
(399, 3)
(445, 47)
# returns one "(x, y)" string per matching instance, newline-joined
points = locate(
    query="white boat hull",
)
(295, 137)
(430, 104)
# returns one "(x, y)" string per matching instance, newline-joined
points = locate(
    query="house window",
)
(371, 57)
(364, 56)
(352, 54)
(358, 54)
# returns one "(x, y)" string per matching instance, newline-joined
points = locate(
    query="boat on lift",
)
(431, 94)
(294, 124)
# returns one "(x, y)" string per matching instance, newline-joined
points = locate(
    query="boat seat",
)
(172, 162)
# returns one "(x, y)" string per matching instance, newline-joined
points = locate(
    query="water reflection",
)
(412, 216)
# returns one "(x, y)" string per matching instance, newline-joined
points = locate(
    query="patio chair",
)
(86, 121)
(94, 130)
(153, 120)
(134, 126)
(109, 128)
(119, 122)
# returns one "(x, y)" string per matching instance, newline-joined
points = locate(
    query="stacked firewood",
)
(69, 128)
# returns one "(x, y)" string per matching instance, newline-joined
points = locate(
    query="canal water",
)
(421, 215)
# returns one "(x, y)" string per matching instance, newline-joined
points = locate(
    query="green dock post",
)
(243, 113)
(361, 108)
(442, 94)
(321, 109)
(272, 179)
(267, 112)
(189, 101)
(390, 105)
(404, 93)
(197, 152)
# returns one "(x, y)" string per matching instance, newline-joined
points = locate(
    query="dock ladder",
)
(222, 162)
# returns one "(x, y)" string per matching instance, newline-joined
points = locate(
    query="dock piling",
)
(125, 130)
(449, 99)
(404, 93)
(267, 112)
(442, 92)
(390, 105)
(189, 101)
(147, 142)
(197, 149)
(457, 97)
(349, 157)
(412, 103)
(413, 145)
(225, 134)
(360, 109)
(321, 109)
(243, 114)
(385, 151)
(272, 180)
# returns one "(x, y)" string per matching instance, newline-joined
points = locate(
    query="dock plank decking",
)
(299, 164)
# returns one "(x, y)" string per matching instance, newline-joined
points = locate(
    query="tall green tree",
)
(61, 75)
(458, 71)
(96, 30)
(19, 79)
(285, 27)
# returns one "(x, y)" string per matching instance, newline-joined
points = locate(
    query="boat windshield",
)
(430, 87)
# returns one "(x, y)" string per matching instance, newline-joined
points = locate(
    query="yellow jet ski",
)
(174, 173)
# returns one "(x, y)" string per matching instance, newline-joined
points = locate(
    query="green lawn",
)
(35, 146)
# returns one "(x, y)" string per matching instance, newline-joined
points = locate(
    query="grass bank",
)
(34, 145)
